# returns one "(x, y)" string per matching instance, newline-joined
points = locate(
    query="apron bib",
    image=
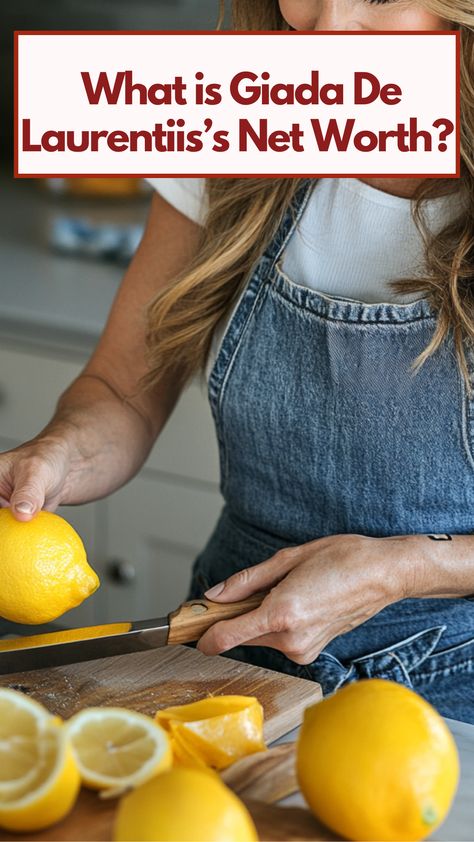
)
(323, 428)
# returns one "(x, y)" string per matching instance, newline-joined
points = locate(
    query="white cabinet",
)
(187, 445)
(30, 384)
(143, 539)
(155, 531)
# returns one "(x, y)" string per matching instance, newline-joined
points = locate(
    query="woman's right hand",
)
(35, 476)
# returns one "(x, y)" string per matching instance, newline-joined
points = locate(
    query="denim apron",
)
(323, 428)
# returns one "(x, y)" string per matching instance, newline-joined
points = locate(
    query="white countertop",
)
(459, 825)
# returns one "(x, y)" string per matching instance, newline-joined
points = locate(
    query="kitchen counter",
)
(460, 823)
(50, 297)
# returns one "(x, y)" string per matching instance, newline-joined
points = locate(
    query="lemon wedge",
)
(117, 749)
(40, 780)
(215, 731)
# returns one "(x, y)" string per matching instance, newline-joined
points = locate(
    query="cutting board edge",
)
(275, 728)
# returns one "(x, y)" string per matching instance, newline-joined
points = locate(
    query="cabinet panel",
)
(187, 446)
(7, 444)
(161, 582)
(176, 514)
(155, 530)
(29, 388)
(30, 385)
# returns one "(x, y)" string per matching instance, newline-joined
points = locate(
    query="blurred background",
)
(64, 246)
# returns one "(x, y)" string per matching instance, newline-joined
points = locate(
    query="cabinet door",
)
(188, 445)
(155, 530)
(30, 385)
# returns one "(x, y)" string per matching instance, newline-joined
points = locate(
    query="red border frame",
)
(219, 33)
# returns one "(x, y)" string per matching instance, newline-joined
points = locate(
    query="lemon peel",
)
(43, 568)
(183, 804)
(215, 731)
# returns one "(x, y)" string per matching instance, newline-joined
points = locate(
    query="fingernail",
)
(215, 591)
(25, 508)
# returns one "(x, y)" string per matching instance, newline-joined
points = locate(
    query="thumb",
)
(28, 494)
(251, 580)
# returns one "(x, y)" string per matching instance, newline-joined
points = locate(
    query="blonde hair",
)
(245, 213)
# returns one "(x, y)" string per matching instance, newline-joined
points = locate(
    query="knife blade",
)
(184, 625)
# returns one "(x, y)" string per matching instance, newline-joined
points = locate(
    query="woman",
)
(348, 477)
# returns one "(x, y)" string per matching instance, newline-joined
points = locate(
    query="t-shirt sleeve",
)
(185, 194)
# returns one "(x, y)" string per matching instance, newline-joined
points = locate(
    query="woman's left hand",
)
(318, 591)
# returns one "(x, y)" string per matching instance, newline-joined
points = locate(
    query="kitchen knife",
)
(70, 646)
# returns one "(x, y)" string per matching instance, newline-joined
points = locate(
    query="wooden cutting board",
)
(151, 680)
(92, 820)
(173, 675)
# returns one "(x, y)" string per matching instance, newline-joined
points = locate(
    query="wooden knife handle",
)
(192, 619)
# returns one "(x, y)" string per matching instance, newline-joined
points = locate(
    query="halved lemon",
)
(21, 720)
(116, 748)
(43, 774)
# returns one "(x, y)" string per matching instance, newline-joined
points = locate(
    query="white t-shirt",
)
(351, 240)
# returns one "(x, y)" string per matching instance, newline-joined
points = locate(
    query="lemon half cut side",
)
(47, 793)
(116, 748)
(21, 720)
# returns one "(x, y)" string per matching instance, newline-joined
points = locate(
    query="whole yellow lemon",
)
(43, 568)
(375, 761)
(184, 804)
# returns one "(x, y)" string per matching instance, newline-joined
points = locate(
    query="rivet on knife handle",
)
(192, 619)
